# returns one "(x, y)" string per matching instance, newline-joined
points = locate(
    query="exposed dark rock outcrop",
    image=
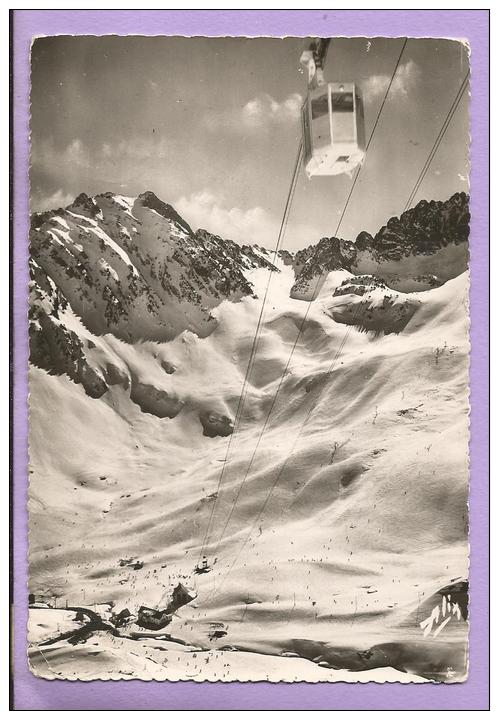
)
(132, 268)
(85, 205)
(370, 310)
(419, 250)
(135, 269)
(424, 229)
(116, 376)
(168, 367)
(155, 401)
(55, 347)
(150, 200)
(215, 424)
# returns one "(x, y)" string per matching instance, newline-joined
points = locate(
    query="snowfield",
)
(362, 458)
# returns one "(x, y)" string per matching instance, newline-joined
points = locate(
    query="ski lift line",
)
(283, 466)
(382, 105)
(322, 55)
(438, 141)
(267, 418)
(251, 360)
(345, 338)
(436, 144)
(323, 49)
(300, 330)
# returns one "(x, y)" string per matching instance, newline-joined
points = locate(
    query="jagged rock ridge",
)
(421, 249)
(132, 268)
(135, 269)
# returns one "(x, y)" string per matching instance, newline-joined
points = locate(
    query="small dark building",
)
(217, 631)
(122, 618)
(181, 596)
(152, 619)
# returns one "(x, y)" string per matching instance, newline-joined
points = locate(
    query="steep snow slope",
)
(366, 449)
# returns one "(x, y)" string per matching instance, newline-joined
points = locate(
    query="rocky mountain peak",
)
(130, 267)
(425, 246)
(153, 202)
(134, 268)
(425, 228)
(85, 205)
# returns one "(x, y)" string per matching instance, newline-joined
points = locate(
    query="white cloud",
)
(205, 209)
(137, 148)
(261, 112)
(53, 159)
(264, 109)
(406, 78)
(252, 226)
(51, 202)
(75, 152)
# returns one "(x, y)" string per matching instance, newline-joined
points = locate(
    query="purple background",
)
(33, 693)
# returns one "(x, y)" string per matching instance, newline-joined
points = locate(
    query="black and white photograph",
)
(249, 356)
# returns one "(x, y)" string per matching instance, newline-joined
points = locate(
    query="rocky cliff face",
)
(132, 268)
(54, 346)
(421, 249)
(361, 468)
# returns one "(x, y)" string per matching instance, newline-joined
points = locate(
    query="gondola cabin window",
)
(343, 119)
(333, 129)
(320, 106)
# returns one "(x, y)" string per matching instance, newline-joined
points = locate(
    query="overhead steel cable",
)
(291, 452)
(437, 141)
(421, 176)
(300, 330)
(249, 367)
(382, 106)
(324, 48)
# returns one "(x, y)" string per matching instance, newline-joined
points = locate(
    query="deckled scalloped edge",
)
(116, 677)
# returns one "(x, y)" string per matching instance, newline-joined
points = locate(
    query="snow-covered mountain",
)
(132, 268)
(141, 331)
(421, 249)
(135, 269)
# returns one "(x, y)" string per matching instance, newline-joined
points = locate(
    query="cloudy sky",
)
(212, 126)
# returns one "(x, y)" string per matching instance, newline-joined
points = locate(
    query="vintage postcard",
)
(249, 354)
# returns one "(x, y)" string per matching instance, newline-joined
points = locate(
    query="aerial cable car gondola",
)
(332, 119)
(333, 143)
